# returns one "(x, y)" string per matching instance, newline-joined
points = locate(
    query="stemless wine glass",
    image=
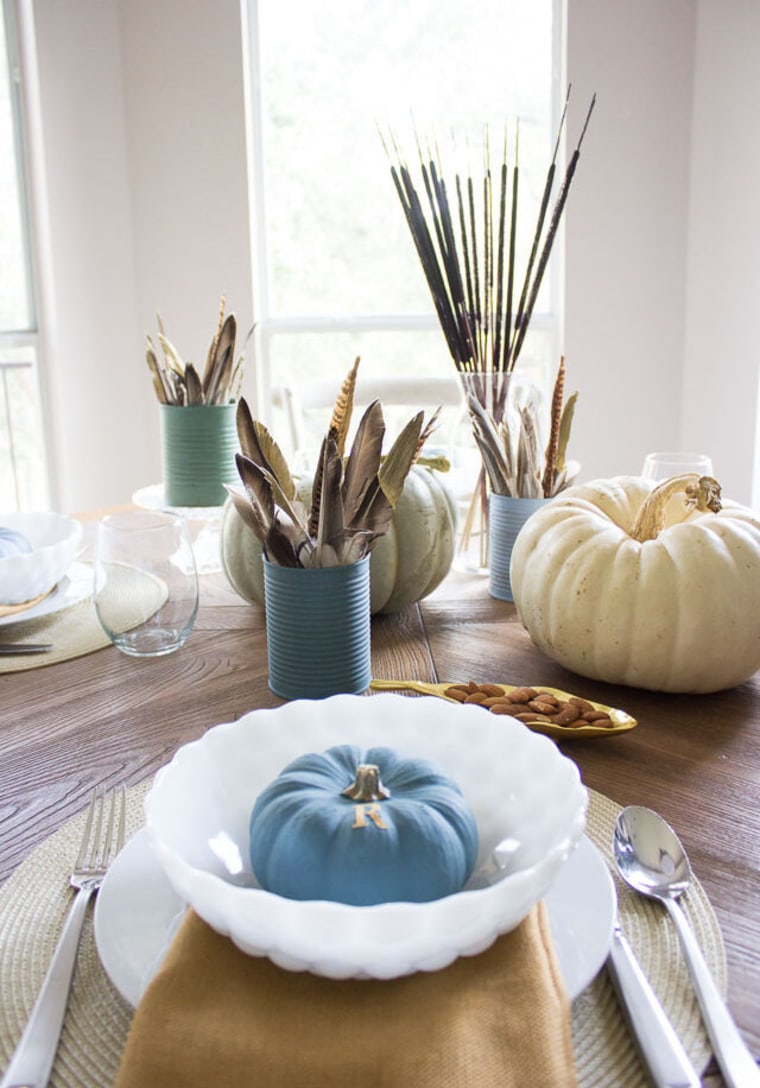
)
(146, 582)
(661, 466)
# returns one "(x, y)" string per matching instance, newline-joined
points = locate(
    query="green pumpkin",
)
(362, 827)
(407, 564)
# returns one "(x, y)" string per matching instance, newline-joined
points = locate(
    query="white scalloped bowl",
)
(55, 540)
(518, 784)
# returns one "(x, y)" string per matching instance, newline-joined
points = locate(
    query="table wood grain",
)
(106, 718)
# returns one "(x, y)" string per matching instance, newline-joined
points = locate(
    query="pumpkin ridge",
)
(574, 590)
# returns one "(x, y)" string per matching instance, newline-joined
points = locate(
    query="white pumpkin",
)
(405, 565)
(656, 589)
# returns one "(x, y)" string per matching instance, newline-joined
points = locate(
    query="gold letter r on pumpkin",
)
(363, 812)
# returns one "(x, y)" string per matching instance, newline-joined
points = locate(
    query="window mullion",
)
(260, 341)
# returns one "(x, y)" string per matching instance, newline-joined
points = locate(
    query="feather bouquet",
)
(353, 495)
(178, 382)
(465, 235)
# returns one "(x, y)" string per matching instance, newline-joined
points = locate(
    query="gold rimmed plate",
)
(619, 720)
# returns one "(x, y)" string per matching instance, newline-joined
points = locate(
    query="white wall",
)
(186, 160)
(663, 235)
(144, 141)
(722, 327)
(93, 343)
(626, 228)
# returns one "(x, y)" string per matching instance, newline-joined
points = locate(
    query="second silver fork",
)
(102, 839)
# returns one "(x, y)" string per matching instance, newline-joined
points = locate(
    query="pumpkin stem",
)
(700, 492)
(367, 785)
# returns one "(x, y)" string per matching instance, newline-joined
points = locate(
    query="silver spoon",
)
(650, 858)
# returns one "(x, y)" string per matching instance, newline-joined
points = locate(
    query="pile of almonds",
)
(531, 705)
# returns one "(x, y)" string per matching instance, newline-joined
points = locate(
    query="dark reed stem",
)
(499, 329)
(548, 185)
(511, 262)
(473, 294)
(475, 261)
(465, 246)
(449, 249)
(434, 266)
(543, 260)
(426, 253)
(487, 306)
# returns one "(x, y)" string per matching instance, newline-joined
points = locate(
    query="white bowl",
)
(518, 784)
(55, 540)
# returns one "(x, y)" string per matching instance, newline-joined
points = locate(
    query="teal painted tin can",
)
(199, 444)
(318, 630)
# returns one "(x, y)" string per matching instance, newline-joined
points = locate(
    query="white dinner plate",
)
(137, 913)
(74, 587)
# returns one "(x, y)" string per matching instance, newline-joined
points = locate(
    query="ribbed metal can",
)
(198, 444)
(318, 629)
(506, 517)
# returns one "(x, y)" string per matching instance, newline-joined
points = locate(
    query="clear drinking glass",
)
(661, 466)
(146, 582)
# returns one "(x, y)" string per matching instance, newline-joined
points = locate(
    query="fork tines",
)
(98, 846)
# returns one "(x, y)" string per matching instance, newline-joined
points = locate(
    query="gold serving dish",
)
(551, 711)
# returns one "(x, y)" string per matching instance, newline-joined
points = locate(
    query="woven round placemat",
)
(34, 901)
(76, 631)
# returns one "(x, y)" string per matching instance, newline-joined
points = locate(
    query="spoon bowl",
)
(649, 855)
(650, 858)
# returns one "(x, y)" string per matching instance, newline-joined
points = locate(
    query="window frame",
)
(17, 18)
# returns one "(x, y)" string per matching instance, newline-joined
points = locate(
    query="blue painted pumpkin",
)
(13, 543)
(362, 827)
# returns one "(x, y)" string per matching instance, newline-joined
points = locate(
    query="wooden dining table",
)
(105, 719)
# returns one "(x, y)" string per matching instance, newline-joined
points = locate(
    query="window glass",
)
(23, 479)
(343, 71)
(15, 303)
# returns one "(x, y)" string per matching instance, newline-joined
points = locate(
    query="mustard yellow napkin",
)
(214, 1016)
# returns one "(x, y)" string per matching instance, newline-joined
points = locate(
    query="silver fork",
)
(102, 839)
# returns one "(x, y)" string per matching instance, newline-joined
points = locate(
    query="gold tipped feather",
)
(552, 446)
(363, 464)
(193, 386)
(528, 458)
(211, 354)
(248, 511)
(274, 460)
(215, 389)
(279, 547)
(331, 524)
(565, 426)
(171, 355)
(316, 490)
(495, 446)
(257, 487)
(426, 432)
(257, 444)
(352, 498)
(159, 382)
(344, 406)
(395, 467)
(178, 383)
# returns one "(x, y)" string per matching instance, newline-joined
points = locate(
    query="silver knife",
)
(25, 647)
(663, 1053)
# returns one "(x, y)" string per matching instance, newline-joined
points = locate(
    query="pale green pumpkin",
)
(407, 564)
